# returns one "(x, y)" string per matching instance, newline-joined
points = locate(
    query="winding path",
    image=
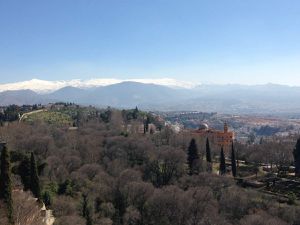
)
(30, 113)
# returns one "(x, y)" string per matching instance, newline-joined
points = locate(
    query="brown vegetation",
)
(135, 178)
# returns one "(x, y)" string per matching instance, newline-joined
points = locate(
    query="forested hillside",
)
(99, 170)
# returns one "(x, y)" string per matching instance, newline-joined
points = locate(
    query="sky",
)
(211, 41)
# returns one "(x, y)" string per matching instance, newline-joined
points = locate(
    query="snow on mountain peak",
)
(44, 86)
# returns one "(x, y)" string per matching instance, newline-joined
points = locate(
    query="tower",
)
(225, 127)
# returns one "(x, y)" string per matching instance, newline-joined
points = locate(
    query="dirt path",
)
(30, 113)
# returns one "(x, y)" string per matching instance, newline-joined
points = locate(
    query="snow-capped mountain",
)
(44, 86)
(234, 99)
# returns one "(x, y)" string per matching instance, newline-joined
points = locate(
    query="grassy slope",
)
(51, 117)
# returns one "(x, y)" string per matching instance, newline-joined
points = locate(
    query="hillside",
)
(21, 97)
(128, 167)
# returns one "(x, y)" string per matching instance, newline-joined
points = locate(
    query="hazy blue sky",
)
(214, 41)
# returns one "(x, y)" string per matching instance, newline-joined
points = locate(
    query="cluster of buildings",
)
(217, 138)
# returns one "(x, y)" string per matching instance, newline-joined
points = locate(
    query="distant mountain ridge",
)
(239, 99)
(125, 94)
(22, 97)
(44, 86)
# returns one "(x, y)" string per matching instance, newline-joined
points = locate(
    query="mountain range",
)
(235, 99)
(45, 86)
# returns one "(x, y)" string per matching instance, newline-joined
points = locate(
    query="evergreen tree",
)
(34, 178)
(296, 154)
(192, 157)
(146, 124)
(222, 163)
(24, 171)
(208, 153)
(47, 198)
(119, 203)
(233, 161)
(89, 219)
(86, 210)
(66, 188)
(84, 205)
(135, 113)
(5, 182)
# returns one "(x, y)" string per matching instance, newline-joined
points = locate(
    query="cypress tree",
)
(296, 154)
(89, 219)
(192, 156)
(84, 205)
(47, 198)
(222, 163)
(120, 205)
(146, 124)
(5, 182)
(24, 171)
(34, 178)
(135, 113)
(208, 153)
(86, 210)
(233, 161)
